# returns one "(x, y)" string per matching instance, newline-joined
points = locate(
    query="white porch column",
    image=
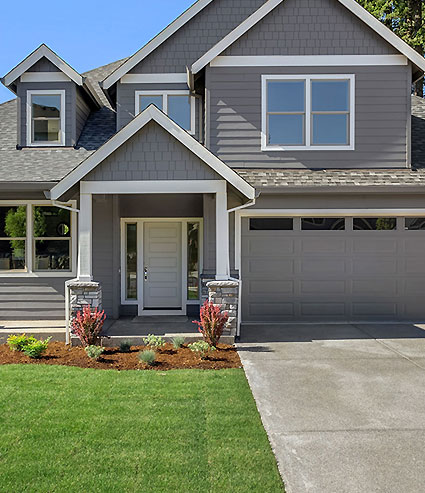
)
(85, 238)
(222, 233)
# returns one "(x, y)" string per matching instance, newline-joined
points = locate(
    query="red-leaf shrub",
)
(87, 325)
(212, 323)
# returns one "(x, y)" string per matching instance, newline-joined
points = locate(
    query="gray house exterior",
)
(271, 149)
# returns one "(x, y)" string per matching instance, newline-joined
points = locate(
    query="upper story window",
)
(308, 112)
(178, 105)
(46, 118)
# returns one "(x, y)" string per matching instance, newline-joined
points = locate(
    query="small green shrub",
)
(202, 348)
(153, 341)
(178, 342)
(148, 356)
(94, 352)
(125, 346)
(35, 349)
(18, 342)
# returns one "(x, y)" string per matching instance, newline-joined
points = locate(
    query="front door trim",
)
(140, 262)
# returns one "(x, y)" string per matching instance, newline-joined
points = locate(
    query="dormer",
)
(54, 100)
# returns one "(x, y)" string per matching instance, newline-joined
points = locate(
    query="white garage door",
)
(330, 269)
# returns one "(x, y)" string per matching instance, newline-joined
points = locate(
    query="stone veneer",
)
(82, 294)
(226, 295)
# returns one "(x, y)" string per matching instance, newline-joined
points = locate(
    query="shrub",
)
(202, 348)
(212, 323)
(35, 349)
(87, 326)
(153, 341)
(178, 342)
(94, 352)
(148, 356)
(18, 342)
(125, 346)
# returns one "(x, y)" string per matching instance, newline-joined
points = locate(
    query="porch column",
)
(222, 233)
(85, 238)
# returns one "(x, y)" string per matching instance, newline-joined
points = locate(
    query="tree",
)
(406, 19)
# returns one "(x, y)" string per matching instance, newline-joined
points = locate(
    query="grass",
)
(71, 430)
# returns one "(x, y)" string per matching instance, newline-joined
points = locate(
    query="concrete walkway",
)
(343, 405)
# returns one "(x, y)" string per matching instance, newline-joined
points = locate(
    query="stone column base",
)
(225, 294)
(82, 294)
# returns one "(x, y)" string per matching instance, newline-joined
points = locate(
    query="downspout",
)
(239, 281)
(63, 205)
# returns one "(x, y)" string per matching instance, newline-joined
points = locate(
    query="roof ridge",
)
(106, 65)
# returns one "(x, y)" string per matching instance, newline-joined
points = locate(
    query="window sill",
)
(305, 148)
(33, 275)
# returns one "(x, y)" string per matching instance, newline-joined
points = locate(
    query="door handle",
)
(146, 273)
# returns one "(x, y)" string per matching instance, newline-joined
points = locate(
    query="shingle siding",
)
(310, 27)
(152, 154)
(199, 35)
(382, 116)
(82, 112)
(43, 65)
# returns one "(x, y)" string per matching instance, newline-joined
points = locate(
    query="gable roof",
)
(152, 113)
(351, 5)
(154, 43)
(43, 51)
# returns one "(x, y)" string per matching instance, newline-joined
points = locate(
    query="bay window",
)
(46, 118)
(178, 105)
(36, 239)
(308, 112)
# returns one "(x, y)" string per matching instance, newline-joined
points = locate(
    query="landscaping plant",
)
(94, 352)
(35, 349)
(202, 348)
(18, 342)
(178, 342)
(153, 341)
(125, 346)
(148, 356)
(212, 323)
(87, 325)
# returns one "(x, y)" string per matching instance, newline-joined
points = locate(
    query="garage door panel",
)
(333, 275)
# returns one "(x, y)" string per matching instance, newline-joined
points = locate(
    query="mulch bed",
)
(168, 358)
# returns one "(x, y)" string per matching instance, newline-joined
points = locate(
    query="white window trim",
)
(29, 256)
(30, 93)
(308, 146)
(140, 227)
(165, 95)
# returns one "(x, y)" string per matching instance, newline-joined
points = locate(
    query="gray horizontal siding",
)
(382, 116)
(310, 27)
(152, 154)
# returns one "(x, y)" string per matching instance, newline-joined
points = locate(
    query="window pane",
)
(374, 224)
(286, 129)
(193, 261)
(51, 222)
(323, 223)
(13, 222)
(330, 95)
(45, 105)
(131, 259)
(51, 255)
(330, 129)
(46, 130)
(12, 254)
(147, 100)
(286, 96)
(271, 224)
(415, 223)
(179, 110)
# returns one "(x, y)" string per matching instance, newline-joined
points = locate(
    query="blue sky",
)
(85, 33)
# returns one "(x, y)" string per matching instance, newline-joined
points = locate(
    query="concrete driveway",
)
(343, 405)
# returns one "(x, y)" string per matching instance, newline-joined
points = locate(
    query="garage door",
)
(330, 269)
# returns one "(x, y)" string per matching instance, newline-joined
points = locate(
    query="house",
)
(269, 149)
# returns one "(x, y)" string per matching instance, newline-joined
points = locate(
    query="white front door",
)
(162, 264)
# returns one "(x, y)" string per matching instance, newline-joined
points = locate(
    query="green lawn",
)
(71, 430)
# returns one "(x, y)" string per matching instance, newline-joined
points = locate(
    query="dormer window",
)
(178, 105)
(46, 118)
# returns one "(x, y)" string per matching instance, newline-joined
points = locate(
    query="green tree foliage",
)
(406, 19)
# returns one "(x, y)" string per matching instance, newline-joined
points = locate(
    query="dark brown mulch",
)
(168, 358)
